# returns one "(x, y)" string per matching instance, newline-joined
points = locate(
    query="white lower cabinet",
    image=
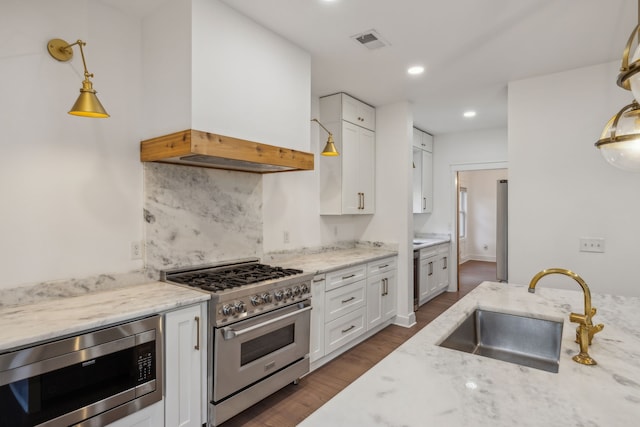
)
(350, 305)
(316, 340)
(442, 266)
(381, 291)
(185, 340)
(343, 300)
(151, 416)
(434, 271)
(344, 329)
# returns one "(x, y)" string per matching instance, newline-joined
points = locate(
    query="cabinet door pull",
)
(348, 329)
(344, 301)
(424, 202)
(385, 287)
(445, 264)
(348, 277)
(430, 268)
(197, 346)
(362, 200)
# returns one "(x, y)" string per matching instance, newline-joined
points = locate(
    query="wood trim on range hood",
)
(197, 148)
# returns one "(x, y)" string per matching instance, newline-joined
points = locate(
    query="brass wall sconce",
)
(620, 139)
(87, 104)
(330, 147)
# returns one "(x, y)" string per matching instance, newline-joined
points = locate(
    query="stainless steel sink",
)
(516, 339)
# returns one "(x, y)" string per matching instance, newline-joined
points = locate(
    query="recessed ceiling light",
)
(415, 70)
(469, 114)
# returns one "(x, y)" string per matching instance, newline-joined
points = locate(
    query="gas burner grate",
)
(221, 279)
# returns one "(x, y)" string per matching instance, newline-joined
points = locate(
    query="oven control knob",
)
(256, 300)
(279, 295)
(287, 293)
(296, 291)
(266, 297)
(227, 310)
(304, 288)
(240, 307)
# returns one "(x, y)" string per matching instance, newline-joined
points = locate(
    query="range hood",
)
(197, 148)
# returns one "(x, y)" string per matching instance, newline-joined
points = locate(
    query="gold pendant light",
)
(87, 104)
(330, 147)
(620, 139)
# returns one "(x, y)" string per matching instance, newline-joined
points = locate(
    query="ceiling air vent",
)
(370, 39)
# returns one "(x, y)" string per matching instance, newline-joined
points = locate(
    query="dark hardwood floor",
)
(294, 403)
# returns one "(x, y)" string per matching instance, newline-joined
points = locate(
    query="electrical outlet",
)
(285, 237)
(136, 250)
(591, 244)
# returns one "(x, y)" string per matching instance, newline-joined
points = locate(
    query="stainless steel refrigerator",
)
(501, 235)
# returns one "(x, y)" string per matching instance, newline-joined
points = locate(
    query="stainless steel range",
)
(259, 324)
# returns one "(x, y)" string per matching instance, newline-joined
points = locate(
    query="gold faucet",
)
(586, 329)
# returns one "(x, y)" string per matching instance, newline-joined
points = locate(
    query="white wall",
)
(486, 149)
(560, 187)
(166, 65)
(248, 82)
(71, 187)
(393, 222)
(481, 213)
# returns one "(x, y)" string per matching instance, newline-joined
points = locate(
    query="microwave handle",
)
(230, 333)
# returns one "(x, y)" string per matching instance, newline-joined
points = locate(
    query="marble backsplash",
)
(200, 215)
(56, 289)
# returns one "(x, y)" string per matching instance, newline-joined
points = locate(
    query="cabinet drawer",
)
(443, 248)
(345, 276)
(428, 252)
(344, 329)
(343, 300)
(382, 265)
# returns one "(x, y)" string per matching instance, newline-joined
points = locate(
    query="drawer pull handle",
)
(384, 266)
(348, 299)
(348, 277)
(348, 329)
(318, 280)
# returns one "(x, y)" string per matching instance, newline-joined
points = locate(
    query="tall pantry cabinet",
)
(347, 182)
(422, 171)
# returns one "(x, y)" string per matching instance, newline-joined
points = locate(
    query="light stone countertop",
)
(27, 324)
(421, 243)
(330, 260)
(422, 384)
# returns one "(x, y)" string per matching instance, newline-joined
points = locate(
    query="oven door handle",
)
(230, 333)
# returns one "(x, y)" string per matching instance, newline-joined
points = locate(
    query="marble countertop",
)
(22, 325)
(421, 243)
(331, 260)
(423, 384)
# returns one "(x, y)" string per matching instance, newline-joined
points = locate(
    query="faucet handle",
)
(594, 330)
(578, 318)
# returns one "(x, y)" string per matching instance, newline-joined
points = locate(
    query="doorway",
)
(476, 224)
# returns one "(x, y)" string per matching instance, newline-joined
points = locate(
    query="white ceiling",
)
(470, 49)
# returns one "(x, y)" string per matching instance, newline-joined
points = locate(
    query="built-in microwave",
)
(87, 380)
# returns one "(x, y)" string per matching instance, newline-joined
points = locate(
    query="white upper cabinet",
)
(347, 182)
(422, 140)
(358, 113)
(422, 172)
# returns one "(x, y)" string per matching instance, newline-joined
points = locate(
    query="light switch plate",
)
(591, 244)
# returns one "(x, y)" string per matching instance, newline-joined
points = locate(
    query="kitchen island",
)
(422, 384)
